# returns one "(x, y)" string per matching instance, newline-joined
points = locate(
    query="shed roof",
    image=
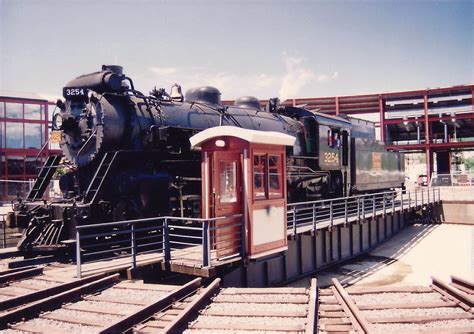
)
(251, 136)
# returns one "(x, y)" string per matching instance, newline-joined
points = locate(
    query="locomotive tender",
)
(127, 155)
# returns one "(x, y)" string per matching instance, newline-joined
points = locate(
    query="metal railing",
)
(329, 212)
(12, 189)
(453, 179)
(196, 240)
(203, 242)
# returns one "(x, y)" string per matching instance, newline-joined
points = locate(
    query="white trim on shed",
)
(251, 136)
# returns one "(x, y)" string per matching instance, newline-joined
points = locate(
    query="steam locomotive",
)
(127, 155)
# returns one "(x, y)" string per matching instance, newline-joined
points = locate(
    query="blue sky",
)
(261, 48)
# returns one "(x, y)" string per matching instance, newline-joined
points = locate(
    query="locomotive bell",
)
(206, 95)
(176, 93)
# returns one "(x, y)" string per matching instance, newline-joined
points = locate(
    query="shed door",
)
(226, 181)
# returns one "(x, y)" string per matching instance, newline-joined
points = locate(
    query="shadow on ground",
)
(382, 256)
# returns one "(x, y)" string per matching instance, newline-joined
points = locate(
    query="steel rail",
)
(19, 273)
(49, 302)
(312, 318)
(40, 294)
(465, 301)
(199, 301)
(127, 323)
(357, 319)
(462, 284)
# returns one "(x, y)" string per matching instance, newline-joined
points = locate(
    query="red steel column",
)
(427, 138)
(382, 119)
(337, 105)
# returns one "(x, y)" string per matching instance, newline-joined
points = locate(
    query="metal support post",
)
(331, 213)
(358, 209)
(205, 244)
(409, 199)
(314, 217)
(401, 194)
(78, 254)
(384, 205)
(134, 246)
(166, 242)
(422, 197)
(345, 210)
(363, 208)
(294, 221)
(416, 198)
(393, 203)
(373, 207)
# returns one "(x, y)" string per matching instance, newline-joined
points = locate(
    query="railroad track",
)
(104, 304)
(439, 308)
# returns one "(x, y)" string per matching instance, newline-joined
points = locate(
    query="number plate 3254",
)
(70, 92)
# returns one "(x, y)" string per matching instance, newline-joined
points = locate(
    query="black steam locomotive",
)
(127, 155)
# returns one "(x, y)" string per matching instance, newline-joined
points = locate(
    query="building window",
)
(268, 182)
(33, 135)
(2, 109)
(2, 137)
(14, 135)
(15, 165)
(34, 111)
(31, 166)
(13, 110)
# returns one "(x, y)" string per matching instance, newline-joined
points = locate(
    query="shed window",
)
(228, 181)
(267, 176)
(259, 168)
(274, 172)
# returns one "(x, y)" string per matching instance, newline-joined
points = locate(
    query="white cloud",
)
(298, 78)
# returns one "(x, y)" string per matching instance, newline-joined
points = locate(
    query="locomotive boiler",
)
(127, 155)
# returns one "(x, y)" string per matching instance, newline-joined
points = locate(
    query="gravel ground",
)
(412, 312)
(399, 298)
(12, 331)
(62, 326)
(111, 307)
(276, 298)
(135, 295)
(16, 290)
(275, 321)
(434, 325)
(257, 307)
(38, 283)
(106, 318)
(198, 331)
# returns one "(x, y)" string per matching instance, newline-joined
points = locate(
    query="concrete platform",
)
(409, 258)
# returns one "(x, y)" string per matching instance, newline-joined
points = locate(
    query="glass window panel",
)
(275, 188)
(259, 163)
(2, 137)
(14, 135)
(32, 135)
(34, 111)
(2, 109)
(228, 181)
(15, 165)
(13, 110)
(30, 166)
